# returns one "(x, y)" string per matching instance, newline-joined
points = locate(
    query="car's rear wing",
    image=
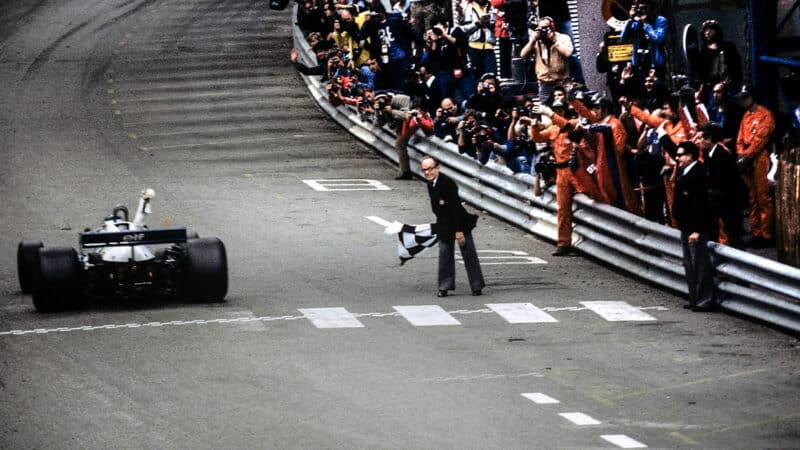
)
(91, 239)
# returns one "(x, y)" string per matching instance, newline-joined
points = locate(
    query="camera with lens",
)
(438, 31)
(543, 30)
(414, 113)
(469, 126)
(481, 138)
(546, 167)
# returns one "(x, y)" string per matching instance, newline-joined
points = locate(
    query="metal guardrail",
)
(752, 286)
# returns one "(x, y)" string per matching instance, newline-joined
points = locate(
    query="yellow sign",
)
(620, 52)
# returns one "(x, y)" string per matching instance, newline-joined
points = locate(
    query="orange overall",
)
(755, 130)
(567, 182)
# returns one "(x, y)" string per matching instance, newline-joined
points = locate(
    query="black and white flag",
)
(414, 239)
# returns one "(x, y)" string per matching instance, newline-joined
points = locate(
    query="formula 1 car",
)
(124, 259)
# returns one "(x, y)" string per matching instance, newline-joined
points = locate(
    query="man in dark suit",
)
(453, 224)
(690, 208)
(727, 194)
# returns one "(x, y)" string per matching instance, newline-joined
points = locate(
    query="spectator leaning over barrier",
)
(668, 122)
(551, 51)
(752, 147)
(719, 59)
(478, 24)
(727, 194)
(445, 124)
(390, 109)
(692, 212)
(647, 32)
(320, 49)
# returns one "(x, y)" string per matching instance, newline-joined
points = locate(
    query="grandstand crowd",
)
(500, 80)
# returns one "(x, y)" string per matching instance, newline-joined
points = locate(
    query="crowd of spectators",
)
(431, 66)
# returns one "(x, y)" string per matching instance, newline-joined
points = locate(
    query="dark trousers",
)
(699, 272)
(447, 264)
(722, 208)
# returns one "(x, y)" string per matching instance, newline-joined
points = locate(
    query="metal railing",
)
(752, 286)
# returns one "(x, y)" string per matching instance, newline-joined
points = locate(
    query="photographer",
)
(487, 98)
(478, 23)
(551, 51)
(445, 125)
(391, 109)
(449, 48)
(466, 128)
(484, 140)
(647, 32)
(574, 163)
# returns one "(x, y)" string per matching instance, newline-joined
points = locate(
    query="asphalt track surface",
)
(324, 341)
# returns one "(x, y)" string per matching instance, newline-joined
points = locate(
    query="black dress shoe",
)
(404, 176)
(477, 292)
(561, 251)
(441, 293)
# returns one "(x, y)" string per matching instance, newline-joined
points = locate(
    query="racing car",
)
(123, 258)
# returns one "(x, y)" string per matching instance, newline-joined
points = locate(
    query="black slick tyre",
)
(58, 279)
(204, 270)
(27, 263)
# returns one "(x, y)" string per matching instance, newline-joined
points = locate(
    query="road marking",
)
(239, 320)
(540, 399)
(521, 313)
(622, 441)
(331, 318)
(346, 185)
(580, 418)
(617, 311)
(382, 222)
(426, 315)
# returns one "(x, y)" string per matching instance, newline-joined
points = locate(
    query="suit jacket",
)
(450, 213)
(690, 206)
(724, 177)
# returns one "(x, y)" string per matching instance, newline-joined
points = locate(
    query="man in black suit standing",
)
(453, 224)
(690, 208)
(727, 193)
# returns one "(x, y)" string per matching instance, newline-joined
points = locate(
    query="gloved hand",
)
(543, 110)
(148, 193)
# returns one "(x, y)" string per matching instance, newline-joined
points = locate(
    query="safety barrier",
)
(753, 286)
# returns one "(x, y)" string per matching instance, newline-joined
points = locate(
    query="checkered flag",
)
(414, 239)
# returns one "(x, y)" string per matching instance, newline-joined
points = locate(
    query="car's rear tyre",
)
(58, 279)
(204, 270)
(27, 261)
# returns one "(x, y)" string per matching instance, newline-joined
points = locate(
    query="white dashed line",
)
(521, 313)
(617, 311)
(540, 399)
(580, 419)
(622, 441)
(426, 315)
(331, 318)
(517, 313)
